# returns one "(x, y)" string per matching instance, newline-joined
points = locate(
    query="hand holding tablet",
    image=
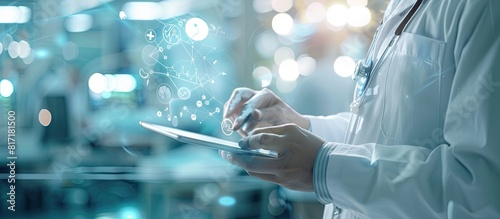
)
(205, 140)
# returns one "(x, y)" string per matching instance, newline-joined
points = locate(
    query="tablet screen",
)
(205, 140)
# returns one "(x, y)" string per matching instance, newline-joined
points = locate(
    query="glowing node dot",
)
(204, 97)
(159, 113)
(198, 103)
(207, 102)
(185, 108)
(193, 117)
(217, 110)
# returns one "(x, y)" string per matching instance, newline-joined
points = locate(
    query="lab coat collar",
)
(398, 8)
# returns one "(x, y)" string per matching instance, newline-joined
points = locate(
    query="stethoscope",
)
(365, 68)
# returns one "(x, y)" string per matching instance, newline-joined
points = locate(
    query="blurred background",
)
(78, 76)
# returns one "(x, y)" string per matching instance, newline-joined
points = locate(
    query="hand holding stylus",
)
(250, 109)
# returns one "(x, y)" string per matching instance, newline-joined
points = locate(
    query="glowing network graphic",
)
(197, 29)
(164, 93)
(188, 68)
(227, 127)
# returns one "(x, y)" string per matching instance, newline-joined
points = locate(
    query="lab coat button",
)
(355, 107)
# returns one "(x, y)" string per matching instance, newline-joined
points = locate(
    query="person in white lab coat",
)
(424, 139)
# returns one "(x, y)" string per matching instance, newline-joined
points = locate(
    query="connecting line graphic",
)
(197, 82)
(189, 66)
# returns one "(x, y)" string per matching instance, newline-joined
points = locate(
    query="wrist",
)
(304, 123)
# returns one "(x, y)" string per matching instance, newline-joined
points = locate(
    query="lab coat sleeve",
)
(459, 179)
(331, 128)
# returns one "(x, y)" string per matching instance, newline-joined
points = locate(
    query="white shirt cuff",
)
(320, 173)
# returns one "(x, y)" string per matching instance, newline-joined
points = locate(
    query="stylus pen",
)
(246, 115)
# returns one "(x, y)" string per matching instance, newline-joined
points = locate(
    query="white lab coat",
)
(426, 140)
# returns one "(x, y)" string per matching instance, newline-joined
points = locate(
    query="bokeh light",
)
(45, 117)
(282, 54)
(7, 39)
(289, 70)
(316, 12)
(97, 83)
(129, 213)
(79, 23)
(31, 57)
(337, 15)
(13, 14)
(359, 16)
(125, 83)
(281, 5)
(69, 51)
(344, 66)
(262, 6)
(14, 49)
(307, 65)
(263, 75)
(6, 88)
(111, 83)
(24, 49)
(25, 14)
(266, 44)
(42, 53)
(360, 3)
(282, 24)
(227, 201)
(148, 10)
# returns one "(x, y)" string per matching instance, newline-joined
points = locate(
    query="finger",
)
(263, 141)
(242, 133)
(250, 125)
(264, 176)
(238, 98)
(278, 130)
(244, 117)
(262, 99)
(253, 163)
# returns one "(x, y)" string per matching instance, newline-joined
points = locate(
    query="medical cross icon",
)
(150, 35)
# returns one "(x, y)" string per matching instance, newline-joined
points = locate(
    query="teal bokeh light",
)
(227, 201)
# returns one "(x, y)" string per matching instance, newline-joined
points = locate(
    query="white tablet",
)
(205, 140)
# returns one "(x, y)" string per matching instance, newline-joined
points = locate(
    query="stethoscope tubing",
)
(399, 30)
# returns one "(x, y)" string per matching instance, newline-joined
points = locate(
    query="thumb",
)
(266, 141)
